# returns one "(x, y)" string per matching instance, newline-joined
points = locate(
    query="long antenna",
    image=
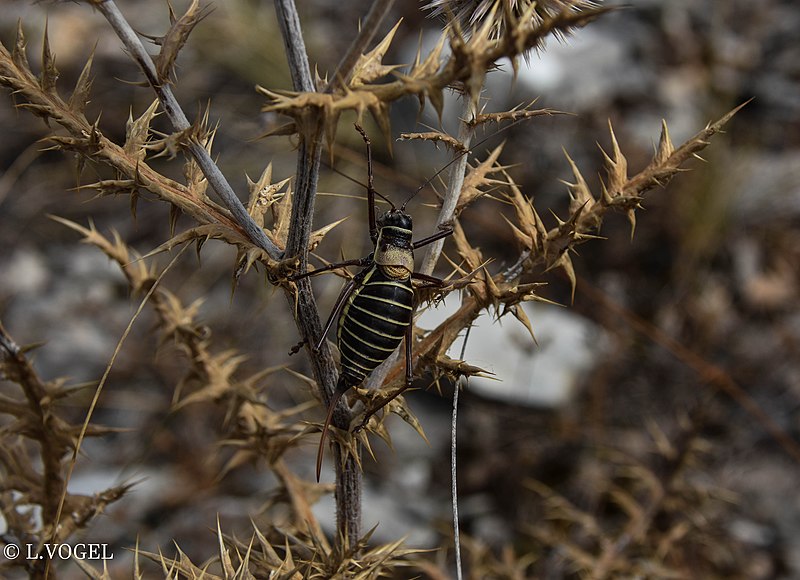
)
(435, 175)
(357, 182)
(456, 158)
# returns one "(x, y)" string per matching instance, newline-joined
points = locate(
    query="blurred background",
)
(701, 304)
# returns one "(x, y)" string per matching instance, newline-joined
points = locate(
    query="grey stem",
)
(179, 121)
(348, 472)
(462, 382)
(446, 214)
(453, 481)
(376, 14)
(454, 183)
(295, 46)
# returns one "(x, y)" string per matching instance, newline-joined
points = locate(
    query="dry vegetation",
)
(626, 483)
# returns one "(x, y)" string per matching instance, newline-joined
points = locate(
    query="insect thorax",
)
(396, 263)
(393, 250)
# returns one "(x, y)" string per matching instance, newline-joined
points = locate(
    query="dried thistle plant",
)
(273, 233)
(657, 497)
(38, 423)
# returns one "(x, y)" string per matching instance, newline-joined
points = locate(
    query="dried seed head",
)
(468, 14)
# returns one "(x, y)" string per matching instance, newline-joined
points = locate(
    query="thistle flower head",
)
(468, 14)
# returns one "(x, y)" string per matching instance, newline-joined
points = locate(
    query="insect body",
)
(379, 311)
(375, 309)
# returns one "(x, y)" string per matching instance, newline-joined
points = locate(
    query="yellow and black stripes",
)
(373, 323)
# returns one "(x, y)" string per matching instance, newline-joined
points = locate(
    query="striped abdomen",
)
(373, 324)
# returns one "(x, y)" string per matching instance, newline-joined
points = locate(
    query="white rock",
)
(539, 376)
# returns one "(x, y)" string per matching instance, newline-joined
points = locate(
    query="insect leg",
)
(409, 377)
(339, 301)
(337, 309)
(429, 280)
(296, 348)
(329, 267)
(373, 228)
(409, 363)
(331, 408)
(432, 238)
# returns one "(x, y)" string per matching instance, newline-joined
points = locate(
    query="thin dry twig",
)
(372, 21)
(172, 108)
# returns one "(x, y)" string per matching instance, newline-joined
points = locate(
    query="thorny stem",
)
(458, 67)
(348, 472)
(36, 392)
(348, 510)
(295, 46)
(359, 45)
(454, 183)
(179, 121)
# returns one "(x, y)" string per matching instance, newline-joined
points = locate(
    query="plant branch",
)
(430, 77)
(454, 183)
(344, 70)
(545, 249)
(310, 127)
(292, 34)
(85, 139)
(179, 121)
(46, 428)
